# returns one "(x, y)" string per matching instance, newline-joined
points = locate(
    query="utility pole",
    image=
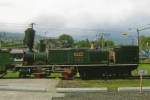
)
(102, 40)
(138, 35)
(132, 41)
(0, 41)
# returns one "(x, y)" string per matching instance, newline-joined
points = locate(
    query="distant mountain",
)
(118, 38)
(16, 36)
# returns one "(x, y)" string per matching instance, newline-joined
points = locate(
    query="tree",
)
(144, 42)
(109, 43)
(66, 40)
(83, 43)
(105, 43)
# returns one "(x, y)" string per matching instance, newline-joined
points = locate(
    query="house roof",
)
(17, 51)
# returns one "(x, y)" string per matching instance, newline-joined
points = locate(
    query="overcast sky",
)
(74, 17)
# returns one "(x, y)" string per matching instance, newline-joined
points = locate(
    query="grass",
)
(145, 67)
(12, 75)
(142, 67)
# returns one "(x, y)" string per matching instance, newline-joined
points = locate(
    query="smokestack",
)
(29, 37)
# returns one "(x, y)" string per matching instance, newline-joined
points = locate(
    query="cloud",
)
(76, 17)
(51, 21)
(6, 4)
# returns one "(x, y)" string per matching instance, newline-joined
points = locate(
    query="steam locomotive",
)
(88, 62)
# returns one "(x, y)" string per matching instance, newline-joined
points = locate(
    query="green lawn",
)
(142, 67)
(12, 75)
(145, 67)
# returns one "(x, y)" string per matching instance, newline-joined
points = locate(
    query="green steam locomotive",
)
(88, 62)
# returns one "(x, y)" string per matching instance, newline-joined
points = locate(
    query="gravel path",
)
(48, 84)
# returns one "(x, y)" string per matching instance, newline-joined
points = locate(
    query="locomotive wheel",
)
(69, 73)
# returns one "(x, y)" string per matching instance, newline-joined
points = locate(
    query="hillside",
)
(7, 36)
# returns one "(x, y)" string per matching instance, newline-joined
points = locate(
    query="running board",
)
(96, 65)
